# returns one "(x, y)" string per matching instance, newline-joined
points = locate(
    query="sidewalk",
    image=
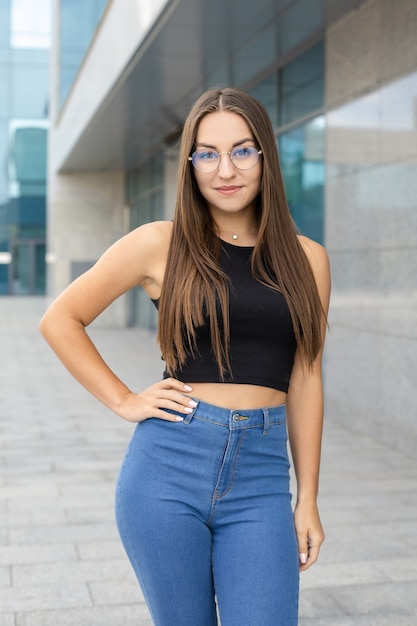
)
(61, 561)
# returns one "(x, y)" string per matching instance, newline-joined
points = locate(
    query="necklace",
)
(234, 235)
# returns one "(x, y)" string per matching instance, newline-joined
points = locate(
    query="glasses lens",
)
(206, 160)
(244, 157)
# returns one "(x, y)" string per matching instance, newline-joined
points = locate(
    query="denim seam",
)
(233, 470)
(243, 427)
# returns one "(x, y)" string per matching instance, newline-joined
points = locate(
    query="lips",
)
(228, 191)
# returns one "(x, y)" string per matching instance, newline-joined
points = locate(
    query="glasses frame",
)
(243, 169)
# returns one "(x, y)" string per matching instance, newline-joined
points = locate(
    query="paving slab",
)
(61, 560)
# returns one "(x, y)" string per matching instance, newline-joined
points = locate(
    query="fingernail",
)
(188, 388)
(192, 403)
(303, 557)
(179, 419)
(188, 410)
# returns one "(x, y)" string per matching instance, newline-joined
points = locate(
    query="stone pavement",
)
(61, 562)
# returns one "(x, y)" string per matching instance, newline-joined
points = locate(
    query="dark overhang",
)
(193, 45)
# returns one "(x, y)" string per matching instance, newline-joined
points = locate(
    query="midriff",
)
(237, 396)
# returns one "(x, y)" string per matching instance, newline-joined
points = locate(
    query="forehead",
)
(222, 127)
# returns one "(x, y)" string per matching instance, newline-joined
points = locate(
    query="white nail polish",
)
(179, 419)
(187, 388)
(303, 558)
(192, 403)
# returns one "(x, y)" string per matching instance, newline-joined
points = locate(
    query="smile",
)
(227, 191)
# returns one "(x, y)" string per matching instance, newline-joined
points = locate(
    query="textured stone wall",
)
(371, 220)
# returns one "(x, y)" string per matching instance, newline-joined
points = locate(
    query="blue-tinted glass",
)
(78, 23)
(255, 56)
(30, 24)
(29, 84)
(302, 162)
(4, 91)
(301, 85)
(145, 196)
(4, 23)
(27, 160)
(24, 70)
(266, 93)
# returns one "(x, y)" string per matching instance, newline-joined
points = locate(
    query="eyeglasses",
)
(242, 157)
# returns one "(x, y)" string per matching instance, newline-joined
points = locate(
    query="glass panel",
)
(302, 153)
(78, 23)
(4, 140)
(302, 85)
(40, 269)
(144, 189)
(4, 23)
(4, 91)
(21, 266)
(27, 160)
(30, 24)
(266, 92)
(29, 84)
(255, 56)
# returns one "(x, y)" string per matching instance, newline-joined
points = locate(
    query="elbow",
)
(44, 325)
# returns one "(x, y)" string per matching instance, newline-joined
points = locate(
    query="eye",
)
(242, 152)
(207, 155)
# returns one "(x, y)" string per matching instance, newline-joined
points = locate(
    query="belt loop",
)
(266, 421)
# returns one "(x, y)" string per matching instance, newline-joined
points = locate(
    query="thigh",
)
(255, 554)
(167, 543)
(256, 572)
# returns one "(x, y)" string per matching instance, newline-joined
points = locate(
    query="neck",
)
(229, 230)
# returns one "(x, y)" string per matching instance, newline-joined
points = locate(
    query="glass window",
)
(255, 56)
(27, 159)
(4, 24)
(302, 154)
(145, 196)
(266, 92)
(78, 23)
(301, 85)
(29, 84)
(30, 24)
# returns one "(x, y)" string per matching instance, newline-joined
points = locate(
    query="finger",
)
(302, 547)
(173, 383)
(313, 549)
(169, 417)
(313, 554)
(182, 404)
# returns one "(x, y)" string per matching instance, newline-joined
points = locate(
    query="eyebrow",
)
(237, 143)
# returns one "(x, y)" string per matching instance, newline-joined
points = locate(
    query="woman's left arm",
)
(305, 423)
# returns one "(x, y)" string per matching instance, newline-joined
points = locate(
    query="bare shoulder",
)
(315, 253)
(152, 234)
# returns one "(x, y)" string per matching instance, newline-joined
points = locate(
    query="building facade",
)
(24, 87)
(339, 80)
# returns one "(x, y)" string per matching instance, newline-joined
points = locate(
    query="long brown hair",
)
(194, 285)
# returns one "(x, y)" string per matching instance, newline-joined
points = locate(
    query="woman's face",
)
(228, 189)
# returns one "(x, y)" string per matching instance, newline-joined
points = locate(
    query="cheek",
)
(202, 184)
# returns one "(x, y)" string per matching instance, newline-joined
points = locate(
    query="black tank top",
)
(262, 340)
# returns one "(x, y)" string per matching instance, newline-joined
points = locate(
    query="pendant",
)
(234, 237)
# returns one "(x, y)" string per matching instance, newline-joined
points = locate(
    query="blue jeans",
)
(204, 511)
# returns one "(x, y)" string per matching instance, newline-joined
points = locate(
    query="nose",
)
(226, 169)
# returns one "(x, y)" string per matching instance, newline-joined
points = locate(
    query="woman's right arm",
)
(136, 259)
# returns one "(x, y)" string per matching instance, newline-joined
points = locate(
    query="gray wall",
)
(371, 220)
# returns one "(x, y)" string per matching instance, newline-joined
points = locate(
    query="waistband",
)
(237, 419)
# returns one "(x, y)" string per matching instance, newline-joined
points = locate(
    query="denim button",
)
(238, 418)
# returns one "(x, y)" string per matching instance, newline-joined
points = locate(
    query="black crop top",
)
(262, 340)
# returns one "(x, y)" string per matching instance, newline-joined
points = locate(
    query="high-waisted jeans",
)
(204, 511)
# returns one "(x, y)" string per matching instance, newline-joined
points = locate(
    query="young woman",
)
(203, 503)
